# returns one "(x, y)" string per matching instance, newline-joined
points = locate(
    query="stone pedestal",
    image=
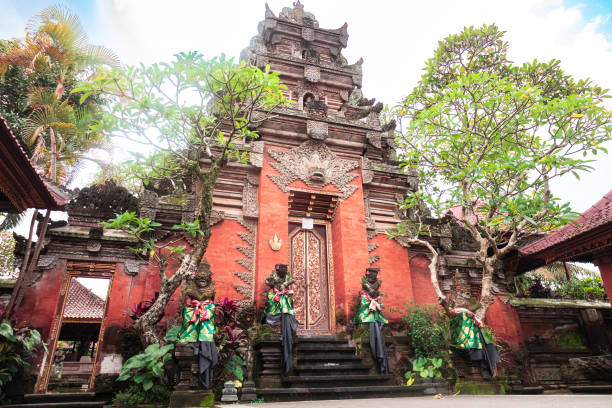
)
(230, 393)
(248, 391)
(192, 398)
(188, 367)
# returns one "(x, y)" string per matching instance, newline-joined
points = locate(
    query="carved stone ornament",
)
(131, 268)
(374, 139)
(250, 205)
(94, 246)
(316, 165)
(275, 243)
(317, 130)
(308, 34)
(367, 172)
(312, 73)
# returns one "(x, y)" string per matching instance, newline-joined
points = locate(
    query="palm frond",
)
(11, 220)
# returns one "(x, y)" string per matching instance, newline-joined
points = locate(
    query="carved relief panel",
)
(309, 267)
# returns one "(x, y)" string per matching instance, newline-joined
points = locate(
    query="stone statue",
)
(199, 325)
(370, 312)
(370, 282)
(279, 310)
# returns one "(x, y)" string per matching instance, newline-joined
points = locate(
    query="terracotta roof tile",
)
(595, 217)
(82, 303)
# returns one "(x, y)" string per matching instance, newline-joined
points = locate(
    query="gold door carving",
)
(308, 265)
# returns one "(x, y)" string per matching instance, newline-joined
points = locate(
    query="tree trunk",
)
(486, 296)
(146, 324)
(52, 163)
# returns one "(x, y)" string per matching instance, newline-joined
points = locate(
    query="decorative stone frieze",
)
(250, 205)
(316, 165)
(247, 276)
(308, 34)
(374, 139)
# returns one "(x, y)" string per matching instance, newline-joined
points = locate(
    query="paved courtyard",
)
(458, 401)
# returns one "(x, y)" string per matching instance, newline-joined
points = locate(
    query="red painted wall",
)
(504, 321)
(395, 272)
(605, 269)
(424, 293)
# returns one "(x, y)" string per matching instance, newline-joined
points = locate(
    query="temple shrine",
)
(319, 193)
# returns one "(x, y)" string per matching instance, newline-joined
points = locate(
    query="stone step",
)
(331, 369)
(317, 348)
(70, 404)
(328, 357)
(368, 391)
(60, 397)
(321, 339)
(317, 381)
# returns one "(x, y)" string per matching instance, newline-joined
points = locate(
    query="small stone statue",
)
(199, 321)
(370, 282)
(279, 310)
(370, 312)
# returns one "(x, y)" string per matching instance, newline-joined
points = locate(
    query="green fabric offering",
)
(279, 302)
(198, 322)
(370, 310)
(464, 332)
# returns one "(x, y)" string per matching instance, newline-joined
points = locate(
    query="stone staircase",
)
(327, 367)
(61, 400)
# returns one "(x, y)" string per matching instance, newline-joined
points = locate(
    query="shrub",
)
(426, 330)
(135, 395)
(147, 368)
(587, 288)
(17, 346)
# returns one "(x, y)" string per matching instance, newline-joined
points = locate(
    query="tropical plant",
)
(196, 114)
(486, 137)
(134, 395)
(53, 56)
(147, 368)
(16, 350)
(425, 330)
(425, 368)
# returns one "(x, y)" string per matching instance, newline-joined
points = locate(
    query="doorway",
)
(78, 327)
(310, 266)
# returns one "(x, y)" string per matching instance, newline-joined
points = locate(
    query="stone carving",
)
(367, 172)
(373, 258)
(131, 268)
(101, 201)
(374, 139)
(247, 276)
(317, 130)
(370, 283)
(298, 15)
(256, 154)
(308, 34)
(312, 73)
(94, 246)
(370, 223)
(201, 287)
(250, 205)
(46, 261)
(148, 204)
(275, 243)
(316, 165)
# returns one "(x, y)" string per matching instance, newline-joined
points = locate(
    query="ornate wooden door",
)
(308, 264)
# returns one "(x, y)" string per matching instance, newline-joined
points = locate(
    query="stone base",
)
(192, 399)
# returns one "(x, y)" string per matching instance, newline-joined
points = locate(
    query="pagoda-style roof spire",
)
(298, 15)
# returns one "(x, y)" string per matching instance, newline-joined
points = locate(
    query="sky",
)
(395, 38)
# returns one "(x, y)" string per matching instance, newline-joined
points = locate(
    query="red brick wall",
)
(605, 269)
(424, 293)
(504, 321)
(395, 272)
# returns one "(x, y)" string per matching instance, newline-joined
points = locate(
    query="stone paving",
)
(457, 401)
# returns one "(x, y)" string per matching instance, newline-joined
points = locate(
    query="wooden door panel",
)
(308, 265)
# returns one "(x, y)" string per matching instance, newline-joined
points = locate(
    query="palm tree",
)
(57, 127)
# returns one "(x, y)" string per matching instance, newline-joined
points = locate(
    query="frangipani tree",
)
(190, 116)
(486, 138)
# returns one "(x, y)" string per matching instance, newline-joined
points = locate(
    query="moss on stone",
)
(464, 386)
(571, 340)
